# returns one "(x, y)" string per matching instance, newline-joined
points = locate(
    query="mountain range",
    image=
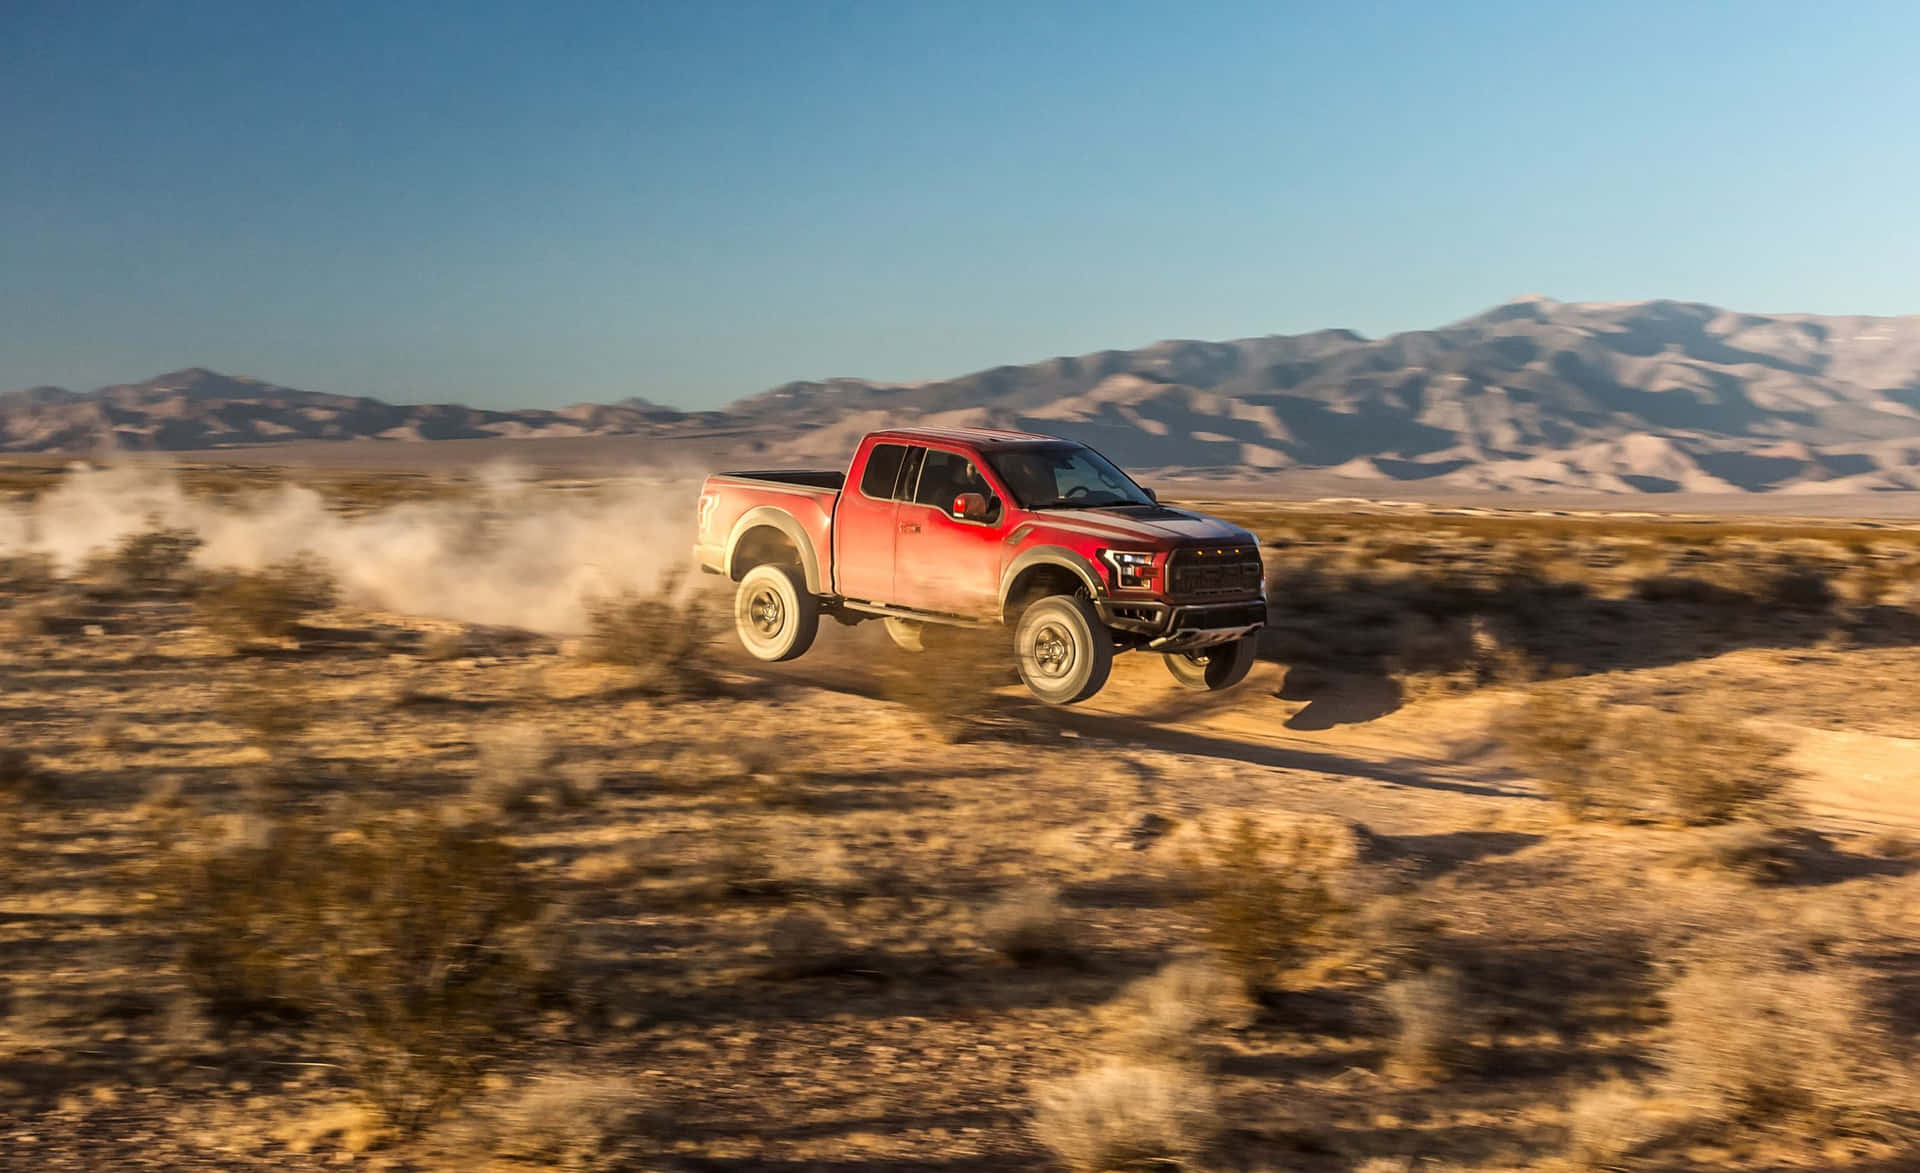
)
(1614, 397)
(199, 409)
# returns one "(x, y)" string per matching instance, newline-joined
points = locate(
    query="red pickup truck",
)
(966, 527)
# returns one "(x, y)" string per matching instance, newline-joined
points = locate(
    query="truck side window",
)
(883, 469)
(946, 475)
(909, 474)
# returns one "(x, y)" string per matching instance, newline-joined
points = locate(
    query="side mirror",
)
(1151, 495)
(970, 507)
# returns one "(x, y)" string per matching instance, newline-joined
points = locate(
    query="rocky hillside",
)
(1625, 397)
(1642, 396)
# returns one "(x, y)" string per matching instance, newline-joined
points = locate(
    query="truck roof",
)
(979, 437)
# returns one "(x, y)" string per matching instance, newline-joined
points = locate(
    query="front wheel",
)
(1212, 669)
(1064, 651)
(774, 614)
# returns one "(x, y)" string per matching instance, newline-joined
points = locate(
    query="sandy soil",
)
(911, 1042)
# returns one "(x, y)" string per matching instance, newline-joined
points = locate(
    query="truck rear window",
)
(883, 469)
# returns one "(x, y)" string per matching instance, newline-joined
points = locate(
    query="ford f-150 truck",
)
(948, 526)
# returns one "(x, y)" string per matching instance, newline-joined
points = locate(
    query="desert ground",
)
(1540, 838)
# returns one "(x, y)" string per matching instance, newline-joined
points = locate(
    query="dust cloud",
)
(510, 552)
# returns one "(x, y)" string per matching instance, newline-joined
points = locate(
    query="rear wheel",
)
(1064, 652)
(774, 614)
(1212, 669)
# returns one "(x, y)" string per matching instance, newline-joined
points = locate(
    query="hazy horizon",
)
(695, 204)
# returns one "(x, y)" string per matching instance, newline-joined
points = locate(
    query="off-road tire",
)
(773, 613)
(1063, 651)
(907, 635)
(1212, 669)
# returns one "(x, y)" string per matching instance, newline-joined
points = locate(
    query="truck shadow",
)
(1401, 772)
(1015, 718)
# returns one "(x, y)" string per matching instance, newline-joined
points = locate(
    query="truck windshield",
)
(1064, 476)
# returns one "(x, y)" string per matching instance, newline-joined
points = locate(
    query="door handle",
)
(909, 527)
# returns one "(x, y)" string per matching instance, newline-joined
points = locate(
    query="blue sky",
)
(521, 204)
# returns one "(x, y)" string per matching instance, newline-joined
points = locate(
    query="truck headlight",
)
(1131, 568)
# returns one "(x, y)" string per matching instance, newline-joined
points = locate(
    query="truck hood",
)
(1154, 525)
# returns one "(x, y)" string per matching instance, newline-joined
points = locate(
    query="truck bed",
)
(811, 478)
(790, 506)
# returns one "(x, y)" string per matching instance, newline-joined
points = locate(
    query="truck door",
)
(863, 527)
(942, 562)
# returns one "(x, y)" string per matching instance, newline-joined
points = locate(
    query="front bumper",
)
(1173, 627)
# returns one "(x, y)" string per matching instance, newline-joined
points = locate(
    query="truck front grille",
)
(1214, 572)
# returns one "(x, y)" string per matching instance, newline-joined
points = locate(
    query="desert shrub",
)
(1677, 588)
(568, 1122)
(1446, 657)
(111, 733)
(517, 765)
(1796, 586)
(273, 708)
(414, 969)
(1028, 927)
(664, 634)
(747, 857)
(32, 620)
(1873, 586)
(1761, 852)
(1785, 585)
(951, 684)
(1893, 845)
(1170, 1013)
(1562, 738)
(1704, 767)
(21, 778)
(1126, 1115)
(26, 574)
(1692, 766)
(810, 863)
(1401, 934)
(578, 783)
(519, 769)
(22, 784)
(398, 934)
(776, 769)
(1761, 1034)
(1433, 1019)
(1270, 897)
(1607, 1124)
(443, 645)
(245, 607)
(234, 888)
(156, 559)
(802, 943)
(1873, 580)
